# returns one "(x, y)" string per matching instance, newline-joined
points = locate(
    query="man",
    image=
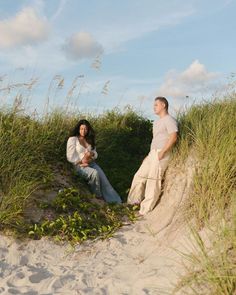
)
(146, 185)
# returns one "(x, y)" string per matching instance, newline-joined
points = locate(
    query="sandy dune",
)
(141, 258)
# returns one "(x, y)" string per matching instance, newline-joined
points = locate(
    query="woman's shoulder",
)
(72, 139)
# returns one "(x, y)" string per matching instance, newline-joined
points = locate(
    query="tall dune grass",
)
(209, 131)
(31, 148)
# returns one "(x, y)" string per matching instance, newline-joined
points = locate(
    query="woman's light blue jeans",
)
(98, 182)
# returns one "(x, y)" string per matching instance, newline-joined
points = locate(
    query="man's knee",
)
(139, 177)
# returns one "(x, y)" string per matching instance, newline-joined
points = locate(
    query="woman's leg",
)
(108, 192)
(92, 176)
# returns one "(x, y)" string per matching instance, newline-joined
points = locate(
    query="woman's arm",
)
(94, 153)
(71, 153)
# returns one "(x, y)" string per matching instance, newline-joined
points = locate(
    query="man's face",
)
(159, 106)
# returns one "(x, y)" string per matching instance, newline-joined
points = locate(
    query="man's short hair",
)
(164, 100)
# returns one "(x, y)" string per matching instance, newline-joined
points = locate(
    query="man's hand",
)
(170, 143)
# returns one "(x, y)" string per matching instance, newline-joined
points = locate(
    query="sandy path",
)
(135, 261)
(140, 259)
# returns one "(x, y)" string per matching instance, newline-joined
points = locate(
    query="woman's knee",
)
(94, 174)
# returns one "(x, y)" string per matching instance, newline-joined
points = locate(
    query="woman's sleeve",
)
(71, 153)
(95, 153)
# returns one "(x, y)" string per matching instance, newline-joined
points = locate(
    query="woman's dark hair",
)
(90, 136)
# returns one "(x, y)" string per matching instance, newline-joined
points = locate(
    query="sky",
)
(100, 54)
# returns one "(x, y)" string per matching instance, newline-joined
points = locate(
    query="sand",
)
(141, 258)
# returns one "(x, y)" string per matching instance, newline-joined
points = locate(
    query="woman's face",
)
(83, 130)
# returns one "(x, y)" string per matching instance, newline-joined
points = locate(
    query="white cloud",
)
(23, 29)
(195, 80)
(82, 45)
(197, 73)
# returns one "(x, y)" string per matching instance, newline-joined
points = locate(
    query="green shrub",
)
(123, 140)
(77, 218)
(31, 149)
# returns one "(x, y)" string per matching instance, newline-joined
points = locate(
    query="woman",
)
(81, 152)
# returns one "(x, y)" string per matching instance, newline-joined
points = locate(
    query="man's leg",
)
(136, 193)
(153, 186)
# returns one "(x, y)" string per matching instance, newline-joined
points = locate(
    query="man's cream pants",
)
(146, 184)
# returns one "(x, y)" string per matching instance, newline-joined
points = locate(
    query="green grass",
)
(123, 139)
(75, 217)
(32, 153)
(211, 269)
(208, 131)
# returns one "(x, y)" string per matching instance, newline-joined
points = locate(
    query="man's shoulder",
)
(167, 118)
(170, 123)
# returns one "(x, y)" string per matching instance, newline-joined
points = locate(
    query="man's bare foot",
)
(139, 215)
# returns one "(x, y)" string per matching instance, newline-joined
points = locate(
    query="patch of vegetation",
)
(208, 131)
(33, 155)
(76, 218)
(123, 140)
(32, 149)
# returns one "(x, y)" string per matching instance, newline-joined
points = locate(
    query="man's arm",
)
(170, 143)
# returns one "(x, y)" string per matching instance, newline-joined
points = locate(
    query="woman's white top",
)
(75, 151)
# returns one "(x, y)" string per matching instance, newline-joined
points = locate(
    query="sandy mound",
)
(140, 258)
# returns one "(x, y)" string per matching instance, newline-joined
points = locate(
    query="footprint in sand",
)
(24, 260)
(41, 274)
(3, 253)
(110, 262)
(17, 279)
(13, 291)
(88, 280)
(62, 281)
(5, 269)
(93, 291)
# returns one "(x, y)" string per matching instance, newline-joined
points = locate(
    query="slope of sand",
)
(141, 258)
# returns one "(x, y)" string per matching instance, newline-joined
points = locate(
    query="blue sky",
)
(114, 53)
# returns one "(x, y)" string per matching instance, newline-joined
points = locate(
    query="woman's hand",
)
(86, 159)
(88, 154)
(84, 165)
